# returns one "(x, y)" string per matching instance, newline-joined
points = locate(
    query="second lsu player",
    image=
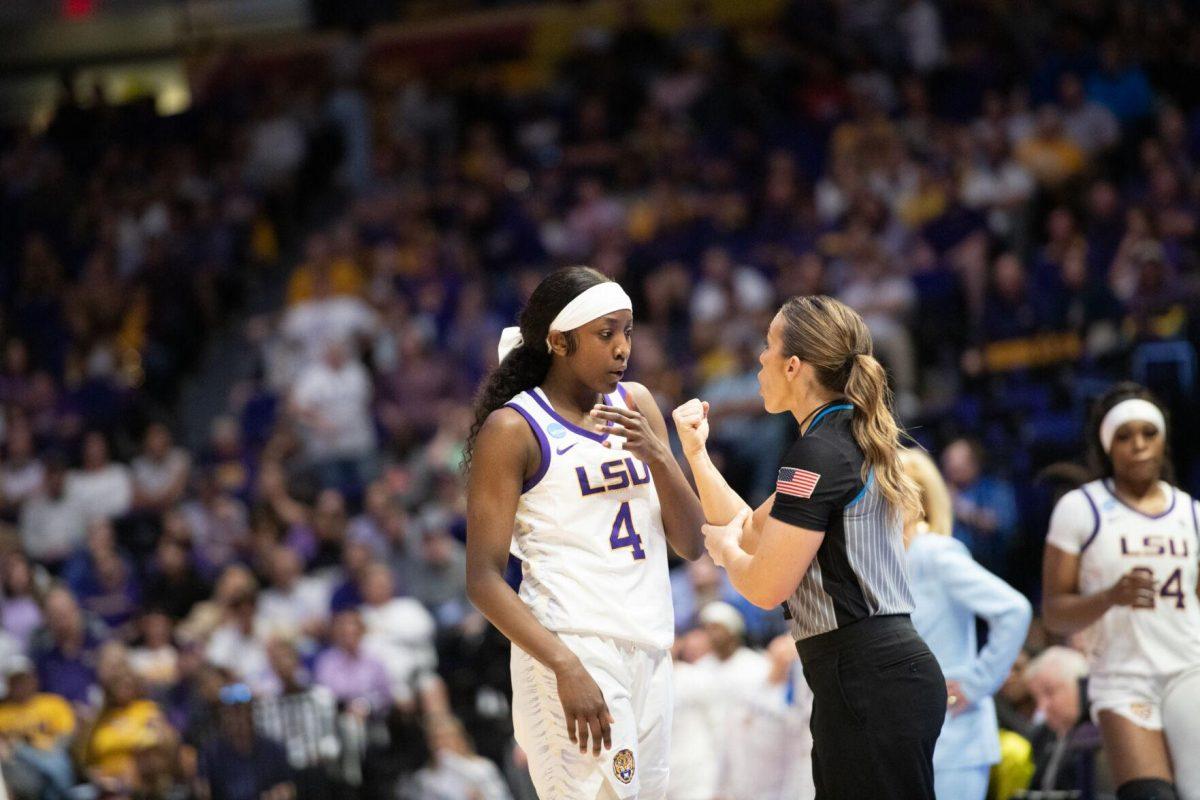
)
(1121, 566)
(570, 471)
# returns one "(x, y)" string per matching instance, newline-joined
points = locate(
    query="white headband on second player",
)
(603, 298)
(1134, 409)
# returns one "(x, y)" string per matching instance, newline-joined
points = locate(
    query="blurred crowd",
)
(1008, 193)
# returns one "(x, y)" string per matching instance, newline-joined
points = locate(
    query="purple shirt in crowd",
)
(351, 677)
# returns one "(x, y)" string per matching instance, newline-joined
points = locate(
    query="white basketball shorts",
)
(636, 682)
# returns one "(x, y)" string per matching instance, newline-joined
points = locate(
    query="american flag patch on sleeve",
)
(796, 482)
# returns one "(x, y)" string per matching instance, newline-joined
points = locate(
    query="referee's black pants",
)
(879, 700)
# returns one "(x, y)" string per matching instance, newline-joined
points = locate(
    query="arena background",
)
(255, 256)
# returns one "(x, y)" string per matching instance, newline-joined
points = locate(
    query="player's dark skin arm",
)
(1065, 611)
(645, 433)
(506, 453)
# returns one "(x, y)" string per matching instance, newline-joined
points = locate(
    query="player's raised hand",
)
(586, 713)
(632, 425)
(691, 423)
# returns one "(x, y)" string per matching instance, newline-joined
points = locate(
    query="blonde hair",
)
(936, 509)
(833, 338)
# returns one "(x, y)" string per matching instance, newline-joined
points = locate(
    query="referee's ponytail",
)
(833, 338)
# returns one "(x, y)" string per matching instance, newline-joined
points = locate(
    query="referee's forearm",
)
(720, 503)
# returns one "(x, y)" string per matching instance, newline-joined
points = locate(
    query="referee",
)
(829, 544)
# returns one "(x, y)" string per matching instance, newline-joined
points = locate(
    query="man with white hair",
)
(1063, 752)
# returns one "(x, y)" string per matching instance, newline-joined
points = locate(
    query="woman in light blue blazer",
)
(950, 590)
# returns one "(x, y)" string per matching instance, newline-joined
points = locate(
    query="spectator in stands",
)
(1086, 122)
(64, 648)
(53, 521)
(294, 605)
(438, 578)
(21, 472)
(102, 487)
(302, 718)
(20, 602)
(399, 632)
(239, 764)
(1048, 153)
(175, 585)
(733, 662)
(218, 524)
(129, 744)
(161, 472)
(1066, 743)
(331, 403)
(985, 509)
(696, 724)
(239, 644)
(358, 680)
(35, 731)
(454, 769)
(767, 747)
(155, 659)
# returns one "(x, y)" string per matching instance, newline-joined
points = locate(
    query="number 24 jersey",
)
(589, 533)
(1111, 538)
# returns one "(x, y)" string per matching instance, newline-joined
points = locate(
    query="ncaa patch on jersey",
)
(796, 482)
(623, 766)
(556, 431)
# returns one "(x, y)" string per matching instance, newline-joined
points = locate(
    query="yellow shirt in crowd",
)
(41, 720)
(120, 733)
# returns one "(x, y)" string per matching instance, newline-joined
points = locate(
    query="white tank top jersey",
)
(1112, 538)
(589, 533)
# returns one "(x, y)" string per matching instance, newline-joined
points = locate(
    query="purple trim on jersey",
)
(624, 395)
(1170, 508)
(1095, 516)
(537, 397)
(1195, 523)
(543, 443)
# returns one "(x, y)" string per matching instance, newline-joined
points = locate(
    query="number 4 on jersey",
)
(623, 534)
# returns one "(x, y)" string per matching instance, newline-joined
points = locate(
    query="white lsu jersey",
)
(1111, 538)
(589, 533)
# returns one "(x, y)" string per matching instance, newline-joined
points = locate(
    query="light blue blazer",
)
(950, 590)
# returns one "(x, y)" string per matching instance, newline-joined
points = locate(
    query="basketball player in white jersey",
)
(570, 472)
(1121, 565)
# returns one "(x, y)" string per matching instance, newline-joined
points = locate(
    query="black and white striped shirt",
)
(859, 570)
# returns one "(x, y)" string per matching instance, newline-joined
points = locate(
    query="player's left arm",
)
(645, 433)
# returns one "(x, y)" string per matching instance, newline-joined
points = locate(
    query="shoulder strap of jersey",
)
(1095, 518)
(538, 424)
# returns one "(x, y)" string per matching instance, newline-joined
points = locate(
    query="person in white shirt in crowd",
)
(53, 522)
(311, 326)
(155, 660)
(455, 771)
(727, 287)
(950, 590)
(161, 472)
(21, 473)
(766, 744)
(696, 731)
(1087, 123)
(399, 633)
(239, 644)
(102, 487)
(332, 402)
(294, 605)
(733, 663)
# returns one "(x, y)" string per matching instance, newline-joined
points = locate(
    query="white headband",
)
(1134, 409)
(603, 298)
